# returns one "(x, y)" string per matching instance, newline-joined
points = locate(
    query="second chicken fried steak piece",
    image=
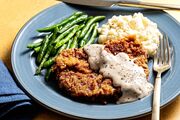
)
(75, 76)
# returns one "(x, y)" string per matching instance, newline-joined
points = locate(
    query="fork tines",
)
(163, 55)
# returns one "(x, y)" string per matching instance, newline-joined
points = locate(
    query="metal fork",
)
(162, 62)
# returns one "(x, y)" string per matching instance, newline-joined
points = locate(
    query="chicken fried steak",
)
(75, 76)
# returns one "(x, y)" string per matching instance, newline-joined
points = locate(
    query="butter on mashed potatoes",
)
(143, 28)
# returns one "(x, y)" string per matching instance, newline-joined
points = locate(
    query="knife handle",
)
(151, 5)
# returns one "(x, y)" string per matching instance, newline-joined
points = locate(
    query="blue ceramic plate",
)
(48, 95)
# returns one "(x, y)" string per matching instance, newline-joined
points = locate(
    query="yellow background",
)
(15, 13)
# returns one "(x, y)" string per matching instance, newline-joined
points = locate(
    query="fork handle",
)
(156, 98)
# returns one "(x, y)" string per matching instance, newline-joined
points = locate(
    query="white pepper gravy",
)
(122, 70)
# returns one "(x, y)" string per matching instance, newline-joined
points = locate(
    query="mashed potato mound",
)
(144, 29)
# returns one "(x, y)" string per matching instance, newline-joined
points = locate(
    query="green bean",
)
(38, 70)
(67, 38)
(78, 33)
(89, 23)
(90, 17)
(43, 49)
(49, 51)
(73, 22)
(54, 36)
(48, 73)
(85, 38)
(49, 62)
(64, 34)
(34, 45)
(61, 48)
(69, 43)
(81, 26)
(55, 32)
(63, 22)
(53, 51)
(60, 27)
(94, 34)
(52, 59)
(74, 43)
(37, 49)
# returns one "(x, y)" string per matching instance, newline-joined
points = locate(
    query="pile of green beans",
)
(75, 31)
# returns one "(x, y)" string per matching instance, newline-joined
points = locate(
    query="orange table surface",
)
(15, 13)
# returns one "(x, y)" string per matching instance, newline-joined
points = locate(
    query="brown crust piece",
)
(132, 47)
(75, 59)
(80, 84)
